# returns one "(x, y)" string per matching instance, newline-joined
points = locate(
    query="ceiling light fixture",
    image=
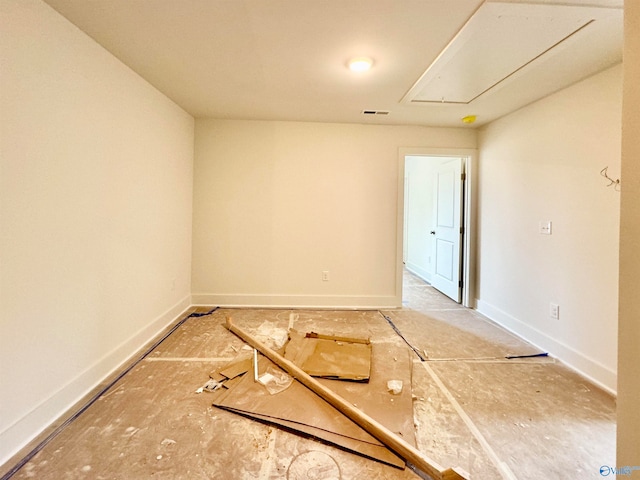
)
(360, 64)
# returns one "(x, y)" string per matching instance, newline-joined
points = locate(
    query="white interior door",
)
(447, 231)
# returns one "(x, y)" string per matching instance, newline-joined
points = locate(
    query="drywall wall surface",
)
(418, 213)
(95, 212)
(628, 425)
(540, 164)
(276, 204)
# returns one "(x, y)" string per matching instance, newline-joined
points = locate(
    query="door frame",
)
(469, 156)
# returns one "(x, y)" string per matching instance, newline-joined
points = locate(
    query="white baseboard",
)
(589, 368)
(25, 429)
(419, 271)
(297, 301)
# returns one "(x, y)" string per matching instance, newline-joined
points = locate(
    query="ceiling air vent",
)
(375, 112)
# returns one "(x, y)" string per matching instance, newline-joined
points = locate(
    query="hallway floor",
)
(496, 418)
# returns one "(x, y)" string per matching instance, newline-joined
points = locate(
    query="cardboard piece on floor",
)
(377, 452)
(232, 382)
(328, 356)
(236, 367)
(299, 409)
(217, 376)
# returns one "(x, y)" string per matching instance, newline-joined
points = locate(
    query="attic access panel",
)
(499, 40)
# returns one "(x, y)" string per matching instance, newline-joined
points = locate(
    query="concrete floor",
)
(495, 418)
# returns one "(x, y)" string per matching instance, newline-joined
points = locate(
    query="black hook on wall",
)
(615, 183)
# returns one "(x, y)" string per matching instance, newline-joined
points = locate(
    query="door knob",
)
(432, 232)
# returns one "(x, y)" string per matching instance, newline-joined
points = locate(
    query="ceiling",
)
(287, 59)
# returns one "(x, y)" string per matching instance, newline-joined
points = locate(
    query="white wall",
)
(95, 214)
(543, 163)
(419, 215)
(628, 429)
(277, 203)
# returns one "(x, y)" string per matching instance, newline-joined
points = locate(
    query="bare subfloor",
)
(495, 418)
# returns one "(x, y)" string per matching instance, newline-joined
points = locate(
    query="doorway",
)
(436, 219)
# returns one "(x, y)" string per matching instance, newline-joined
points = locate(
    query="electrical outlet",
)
(554, 311)
(325, 275)
(545, 227)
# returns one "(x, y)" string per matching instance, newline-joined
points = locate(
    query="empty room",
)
(320, 239)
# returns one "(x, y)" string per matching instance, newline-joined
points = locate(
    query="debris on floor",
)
(299, 409)
(275, 380)
(367, 415)
(272, 336)
(394, 386)
(329, 356)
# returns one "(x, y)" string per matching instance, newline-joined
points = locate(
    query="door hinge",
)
(460, 284)
(463, 177)
(461, 230)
